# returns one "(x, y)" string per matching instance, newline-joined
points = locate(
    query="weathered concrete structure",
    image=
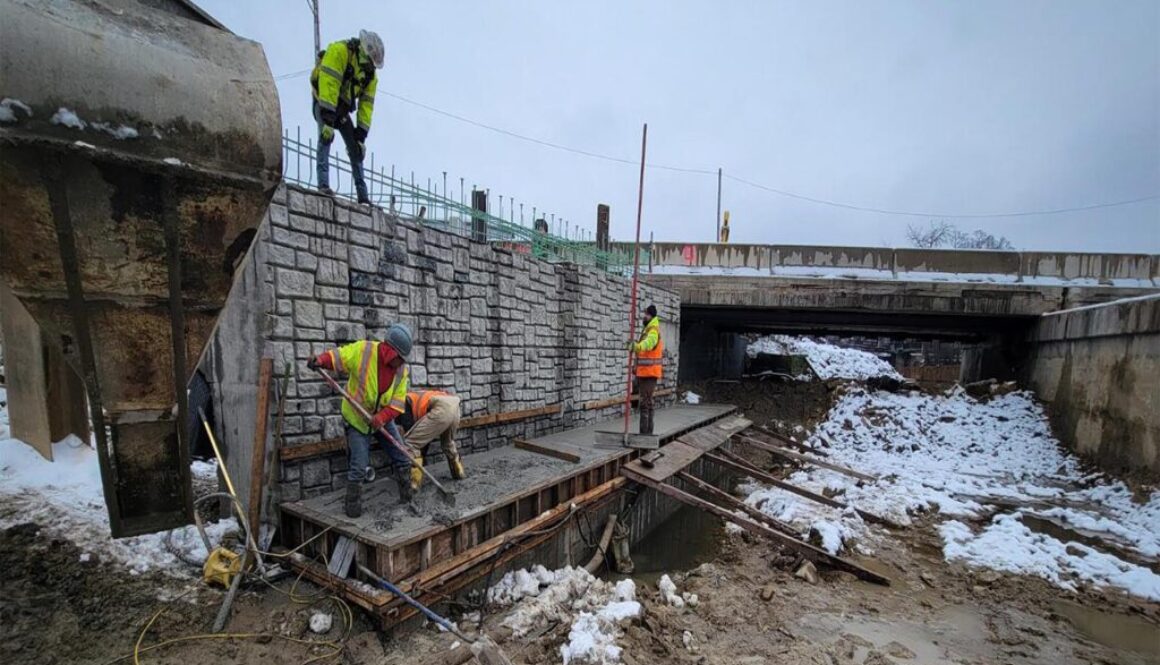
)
(531, 347)
(1099, 370)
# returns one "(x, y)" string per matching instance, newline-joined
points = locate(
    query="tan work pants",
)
(442, 421)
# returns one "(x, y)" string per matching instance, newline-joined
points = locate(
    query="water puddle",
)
(959, 634)
(1117, 631)
(684, 541)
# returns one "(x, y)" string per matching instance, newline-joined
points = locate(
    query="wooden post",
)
(258, 454)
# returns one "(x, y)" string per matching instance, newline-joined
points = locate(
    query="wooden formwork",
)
(441, 559)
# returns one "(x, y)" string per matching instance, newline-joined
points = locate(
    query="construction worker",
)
(431, 414)
(378, 381)
(649, 350)
(344, 80)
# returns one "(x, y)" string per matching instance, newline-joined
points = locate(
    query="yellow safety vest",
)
(340, 78)
(650, 351)
(360, 361)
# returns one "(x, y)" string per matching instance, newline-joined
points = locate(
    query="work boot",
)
(456, 466)
(325, 191)
(416, 477)
(403, 480)
(364, 200)
(352, 506)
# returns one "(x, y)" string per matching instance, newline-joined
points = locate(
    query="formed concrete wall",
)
(504, 331)
(1098, 368)
(912, 264)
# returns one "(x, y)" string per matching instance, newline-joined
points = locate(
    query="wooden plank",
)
(675, 456)
(735, 503)
(289, 453)
(800, 457)
(712, 436)
(613, 401)
(774, 436)
(731, 461)
(560, 452)
(442, 571)
(258, 453)
(816, 554)
(509, 416)
(363, 595)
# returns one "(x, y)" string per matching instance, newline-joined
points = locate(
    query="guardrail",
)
(421, 205)
(1068, 268)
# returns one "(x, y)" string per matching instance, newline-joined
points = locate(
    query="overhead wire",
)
(749, 183)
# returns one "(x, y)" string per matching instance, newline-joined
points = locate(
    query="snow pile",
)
(592, 606)
(320, 622)
(120, 133)
(65, 499)
(692, 398)
(966, 459)
(828, 361)
(668, 591)
(9, 107)
(67, 118)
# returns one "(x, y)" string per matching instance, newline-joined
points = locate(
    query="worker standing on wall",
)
(378, 380)
(433, 414)
(649, 350)
(345, 80)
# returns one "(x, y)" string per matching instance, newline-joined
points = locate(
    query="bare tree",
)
(943, 234)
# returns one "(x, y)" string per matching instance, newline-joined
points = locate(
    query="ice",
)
(594, 608)
(67, 118)
(669, 592)
(827, 360)
(969, 460)
(9, 107)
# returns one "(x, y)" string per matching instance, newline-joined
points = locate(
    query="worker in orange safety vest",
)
(649, 350)
(433, 414)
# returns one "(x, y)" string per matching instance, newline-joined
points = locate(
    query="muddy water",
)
(684, 541)
(1118, 631)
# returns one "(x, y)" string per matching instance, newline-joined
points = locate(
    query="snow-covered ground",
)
(992, 468)
(828, 361)
(65, 498)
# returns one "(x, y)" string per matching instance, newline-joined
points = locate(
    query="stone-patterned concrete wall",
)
(501, 329)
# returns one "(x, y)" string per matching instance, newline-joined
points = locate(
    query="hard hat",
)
(399, 337)
(372, 45)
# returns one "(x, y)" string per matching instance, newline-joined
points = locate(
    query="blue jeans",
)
(346, 129)
(359, 452)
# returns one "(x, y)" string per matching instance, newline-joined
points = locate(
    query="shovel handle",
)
(382, 430)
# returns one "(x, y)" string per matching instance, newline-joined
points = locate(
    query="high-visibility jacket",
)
(650, 351)
(420, 401)
(342, 76)
(360, 361)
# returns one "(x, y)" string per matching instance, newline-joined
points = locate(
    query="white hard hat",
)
(372, 44)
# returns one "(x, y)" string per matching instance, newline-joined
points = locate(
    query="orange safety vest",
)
(650, 351)
(421, 401)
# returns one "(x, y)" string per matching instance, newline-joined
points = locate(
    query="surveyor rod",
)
(635, 276)
(382, 430)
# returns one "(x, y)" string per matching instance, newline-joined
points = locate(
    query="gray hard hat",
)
(399, 337)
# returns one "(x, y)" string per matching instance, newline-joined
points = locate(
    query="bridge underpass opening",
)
(714, 339)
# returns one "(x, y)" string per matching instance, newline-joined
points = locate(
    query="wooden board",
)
(711, 437)
(806, 459)
(676, 456)
(613, 401)
(559, 452)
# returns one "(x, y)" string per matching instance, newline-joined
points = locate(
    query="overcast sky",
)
(954, 108)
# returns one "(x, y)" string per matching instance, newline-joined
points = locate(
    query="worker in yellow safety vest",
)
(649, 350)
(378, 381)
(433, 414)
(344, 80)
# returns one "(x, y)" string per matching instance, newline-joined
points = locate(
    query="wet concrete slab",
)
(493, 477)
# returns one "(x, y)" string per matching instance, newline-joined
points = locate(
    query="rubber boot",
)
(403, 480)
(456, 465)
(352, 506)
(416, 477)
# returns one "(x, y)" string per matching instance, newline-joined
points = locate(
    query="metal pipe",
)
(635, 276)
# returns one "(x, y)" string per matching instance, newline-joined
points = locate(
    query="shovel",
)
(448, 497)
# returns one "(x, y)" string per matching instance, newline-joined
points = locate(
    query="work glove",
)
(327, 133)
(631, 345)
(313, 364)
(329, 118)
(360, 134)
(381, 418)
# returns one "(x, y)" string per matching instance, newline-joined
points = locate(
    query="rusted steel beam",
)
(807, 550)
(799, 457)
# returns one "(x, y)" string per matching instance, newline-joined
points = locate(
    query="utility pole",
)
(718, 238)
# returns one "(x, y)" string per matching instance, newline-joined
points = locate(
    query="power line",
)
(749, 183)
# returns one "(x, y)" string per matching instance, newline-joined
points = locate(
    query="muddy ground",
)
(56, 608)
